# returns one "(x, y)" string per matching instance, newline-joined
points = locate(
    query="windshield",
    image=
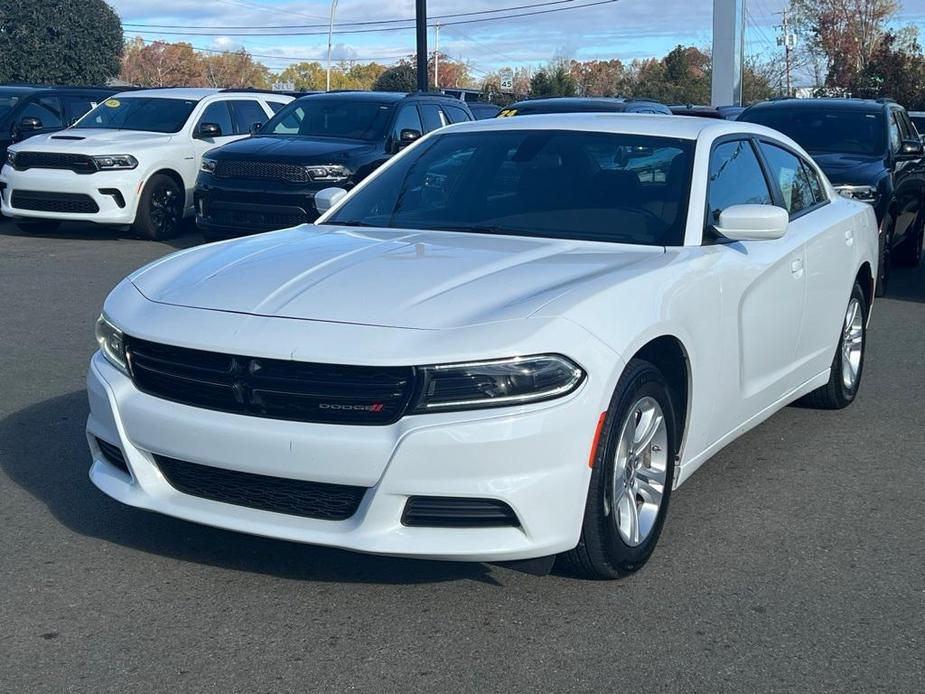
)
(7, 102)
(139, 113)
(549, 183)
(823, 130)
(348, 118)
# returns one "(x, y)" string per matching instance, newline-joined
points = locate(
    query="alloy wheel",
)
(852, 344)
(165, 210)
(639, 472)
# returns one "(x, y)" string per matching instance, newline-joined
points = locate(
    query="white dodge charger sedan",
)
(513, 341)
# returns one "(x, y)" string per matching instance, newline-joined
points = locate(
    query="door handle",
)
(796, 267)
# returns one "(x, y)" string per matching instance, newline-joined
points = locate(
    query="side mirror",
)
(255, 128)
(407, 136)
(326, 198)
(910, 149)
(207, 131)
(753, 222)
(27, 124)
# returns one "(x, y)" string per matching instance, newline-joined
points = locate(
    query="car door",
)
(763, 288)
(407, 118)
(216, 112)
(247, 114)
(908, 179)
(828, 239)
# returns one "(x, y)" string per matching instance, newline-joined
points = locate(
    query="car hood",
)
(93, 141)
(854, 169)
(384, 277)
(299, 150)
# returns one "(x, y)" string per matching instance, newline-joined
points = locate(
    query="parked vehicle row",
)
(514, 340)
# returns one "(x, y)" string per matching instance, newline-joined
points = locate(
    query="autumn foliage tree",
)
(162, 64)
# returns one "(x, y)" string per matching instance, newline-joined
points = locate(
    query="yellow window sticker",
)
(507, 113)
(113, 103)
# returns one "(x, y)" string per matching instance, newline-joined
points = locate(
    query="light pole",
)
(331, 40)
(421, 21)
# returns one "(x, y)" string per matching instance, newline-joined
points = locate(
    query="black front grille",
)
(457, 512)
(272, 388)
(53, 202)
(277, 494)
(78, 163)
(113, 454)
(251, 216)
(263, 170)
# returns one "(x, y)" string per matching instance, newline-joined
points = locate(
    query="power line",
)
(363, 23)
(382, 29)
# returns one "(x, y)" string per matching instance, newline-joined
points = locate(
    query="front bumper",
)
(533, 459)
(111, 208)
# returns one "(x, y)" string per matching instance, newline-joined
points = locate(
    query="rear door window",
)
(247, 112)
(456, 114)
(433, 117)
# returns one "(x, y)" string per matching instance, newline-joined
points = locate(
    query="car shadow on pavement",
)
(907, 284)
(43, 450)
(94, 232)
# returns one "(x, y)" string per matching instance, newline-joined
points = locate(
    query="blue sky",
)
(625, 29)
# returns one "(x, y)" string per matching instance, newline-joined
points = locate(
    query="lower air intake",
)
(454, 512)
(276, 494)
(113, 454)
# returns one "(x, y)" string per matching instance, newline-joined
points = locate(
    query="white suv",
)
(132, 161)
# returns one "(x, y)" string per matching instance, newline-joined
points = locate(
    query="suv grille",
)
(293, 173)
(78, 163)
(277, 494)
(53, 202)
(272, 388)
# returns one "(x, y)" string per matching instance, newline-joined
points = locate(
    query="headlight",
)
(496, 383)
(115, 161)
(329, 173)
(112, 343)
(207, 165)
(860, 193)
(11, 158)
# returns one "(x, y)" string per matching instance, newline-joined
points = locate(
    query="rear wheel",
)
(38, 226)
(160, 209)
(848, 363)
(632, 477)
(886, 255)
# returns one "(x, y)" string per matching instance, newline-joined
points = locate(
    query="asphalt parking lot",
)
(793, 561)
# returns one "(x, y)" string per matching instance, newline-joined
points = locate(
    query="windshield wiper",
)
(476, 229)
(348, 223)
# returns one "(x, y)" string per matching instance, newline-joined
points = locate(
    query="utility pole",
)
(728, 25)
(331, 40)
(421, 18)
(437, 56)
(788, 40)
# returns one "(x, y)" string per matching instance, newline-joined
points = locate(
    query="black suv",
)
(871, 151)
(269, 180)
(31, 110)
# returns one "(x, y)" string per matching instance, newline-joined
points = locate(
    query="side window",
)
(815, 184)
(788, 172)
(47, 109)
(455, 114)
(433, 117)
(76, 106)
(407, 119)
(217, 112)
(246, 113)
(906, 129)
(895, 137)
(736, 178)
(275, 106)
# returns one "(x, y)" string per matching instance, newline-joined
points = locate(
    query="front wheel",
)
(632, 477)
(160, 209)
(848, 363)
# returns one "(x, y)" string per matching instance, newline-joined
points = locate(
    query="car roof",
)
(378, 97)
(573, 104)
(34, 88)
(194, 94)
(657, 125)
(867, 105)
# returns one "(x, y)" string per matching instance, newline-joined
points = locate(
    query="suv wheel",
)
(160, 209)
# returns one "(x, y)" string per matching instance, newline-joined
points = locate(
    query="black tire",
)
(160, 209)
(886, 255)
(909, 252)
(38, 226)
(601, 552)
(836, 394)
